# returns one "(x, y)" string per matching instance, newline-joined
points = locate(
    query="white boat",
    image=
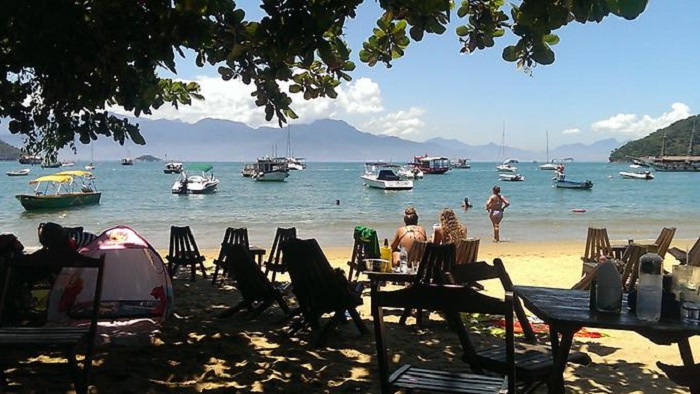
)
(637, 174)
(91, 166)
(380, 175)
(196, 179)
(460, 163)
(127, 161)
(67, 163)
(249, 169)
(271, 169)
(293, 163)
(506, 167)
(22, 172)
(173, 167)
(409, 172)
(511, 177)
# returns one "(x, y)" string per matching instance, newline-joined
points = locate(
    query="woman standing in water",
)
(495, 205)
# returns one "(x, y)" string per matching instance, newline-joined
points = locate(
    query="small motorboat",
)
(172, 167)
(22, 172)
(409, 172)
(380, 175)
(511, 177)
(62, 190)
(508, 165)
(249, 169)
(203, 182)
(646, 175)
(561, 182)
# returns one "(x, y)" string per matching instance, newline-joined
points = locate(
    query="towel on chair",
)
(368, 235)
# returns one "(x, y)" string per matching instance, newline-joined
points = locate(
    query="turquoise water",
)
(139, 196)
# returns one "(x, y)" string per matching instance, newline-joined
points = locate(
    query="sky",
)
(617, 79)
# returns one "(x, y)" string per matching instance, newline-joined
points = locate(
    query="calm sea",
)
(139, 196)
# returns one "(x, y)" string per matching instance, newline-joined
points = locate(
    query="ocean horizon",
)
(139, 196)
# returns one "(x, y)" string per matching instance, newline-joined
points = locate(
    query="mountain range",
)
(322, 140)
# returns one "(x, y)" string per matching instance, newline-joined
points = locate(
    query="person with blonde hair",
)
(450, 230)
(407, 234)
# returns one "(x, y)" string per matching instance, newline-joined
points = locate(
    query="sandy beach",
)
(197, 352)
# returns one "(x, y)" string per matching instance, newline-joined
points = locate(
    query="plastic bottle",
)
(403, 260)
(608, 288)
(650, 288)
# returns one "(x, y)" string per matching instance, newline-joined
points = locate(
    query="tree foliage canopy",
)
(64, 62)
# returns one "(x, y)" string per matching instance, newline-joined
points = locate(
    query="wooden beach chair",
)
(232, 236)
(366, 246)
(597, 244)
(74, 333)
(467, 250)
(417, 250)
(533, 361)
(451, 300)
(274, 258)
(257, 291)
(319, 289)
(663, 241)
(691, 257)
(437, 259)
(183, 251)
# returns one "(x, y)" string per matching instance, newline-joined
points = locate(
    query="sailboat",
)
(508, 165)
(293, 163)
(91, 166)
(688, 163)
(549, 165)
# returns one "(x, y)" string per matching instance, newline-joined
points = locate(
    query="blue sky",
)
(617, 79)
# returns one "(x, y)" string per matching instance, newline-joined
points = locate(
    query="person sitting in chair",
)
(406, 235)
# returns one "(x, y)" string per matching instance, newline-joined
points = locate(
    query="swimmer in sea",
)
(495, 205)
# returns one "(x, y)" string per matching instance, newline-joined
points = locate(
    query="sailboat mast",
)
(548, 147)
(692, 135)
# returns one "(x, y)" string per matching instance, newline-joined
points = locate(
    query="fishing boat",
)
(30, 159)
(646, 175)
(271, 169)
(560, 181)
(62, 190)
(431, 164)
(173, 167)
(196, 179)
(381, 175)
(511, 177)
(22, 172)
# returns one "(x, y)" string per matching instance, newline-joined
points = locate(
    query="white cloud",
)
(632, 125)
(574, 130)
(400, 123)
(231, 100)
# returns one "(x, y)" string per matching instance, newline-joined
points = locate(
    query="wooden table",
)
(566, 311)
(375, 278)
(258, 253)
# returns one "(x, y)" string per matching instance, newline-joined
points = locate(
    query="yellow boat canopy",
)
(75, 173)
(53, 178)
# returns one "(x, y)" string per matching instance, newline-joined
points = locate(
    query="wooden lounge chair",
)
(257, 291)
(232, 236)
(691, 257)
(366, 246)
(467, 250)
(319, 289)
(437, 259)
(417, 250)
(274, 258)
(183, 251)
(662, 243)
(533, 362)
(63, 335)
(450, 300)
(597, 244)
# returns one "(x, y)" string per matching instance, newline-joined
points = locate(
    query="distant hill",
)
(677, 142)
(322, 140)
(8, 152)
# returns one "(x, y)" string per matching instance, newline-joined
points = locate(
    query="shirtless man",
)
(495, 205)
(407, 235)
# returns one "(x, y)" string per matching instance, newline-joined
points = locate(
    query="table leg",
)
(686, 353)
(560, 355)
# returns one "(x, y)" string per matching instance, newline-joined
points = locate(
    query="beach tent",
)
(137, 293)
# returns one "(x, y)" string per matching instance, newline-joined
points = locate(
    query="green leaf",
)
(416, 33)
(510, 53)
(628, 9)
(551, 39)
(542, 54)
(295, 88)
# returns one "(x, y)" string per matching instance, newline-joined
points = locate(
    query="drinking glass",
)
(414, 266)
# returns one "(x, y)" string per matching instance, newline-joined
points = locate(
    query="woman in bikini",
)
(408, 234)
(495, 205)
